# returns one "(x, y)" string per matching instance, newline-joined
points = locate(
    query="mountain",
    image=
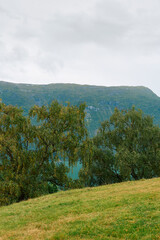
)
(128, 210)
(100, 101)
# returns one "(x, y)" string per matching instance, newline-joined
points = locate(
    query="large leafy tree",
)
(136, 141)
(17, 161)
(32, 156)
(60, 136)
(126, 147)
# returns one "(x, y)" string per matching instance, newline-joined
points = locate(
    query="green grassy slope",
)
(101, 101)
(128, 210)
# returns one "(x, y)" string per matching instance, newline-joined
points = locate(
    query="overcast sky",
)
(98, 42)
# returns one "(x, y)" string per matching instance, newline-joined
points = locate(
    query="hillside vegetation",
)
(129, 210)
(33, 157)
(101, 101)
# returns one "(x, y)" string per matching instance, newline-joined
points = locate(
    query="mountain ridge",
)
(100, 100)
(75, 84)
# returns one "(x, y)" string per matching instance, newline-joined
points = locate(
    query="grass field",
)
(128, 210)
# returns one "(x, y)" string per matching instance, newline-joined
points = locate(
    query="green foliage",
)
(9, 192)
(17, 161)
(60, 131)
(137, 144)
(32, 156)
(100, 101)
(127, 147)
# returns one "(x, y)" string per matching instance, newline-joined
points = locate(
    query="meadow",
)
(128, 210)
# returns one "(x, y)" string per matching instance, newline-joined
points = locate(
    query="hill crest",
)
(100, 100)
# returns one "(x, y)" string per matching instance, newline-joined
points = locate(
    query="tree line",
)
(34, 149)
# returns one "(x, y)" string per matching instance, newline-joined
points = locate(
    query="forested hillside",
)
(100, 101)
(37, 148)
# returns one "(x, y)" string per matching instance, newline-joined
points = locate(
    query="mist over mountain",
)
(100, 100)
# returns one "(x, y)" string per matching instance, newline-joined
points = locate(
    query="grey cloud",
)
(83, 30)
(107, 42)
(8, 13)
(49, 63)
(19, 54)
(15, 54)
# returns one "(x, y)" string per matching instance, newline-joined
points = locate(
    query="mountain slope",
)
(100, 101)
(129, 210)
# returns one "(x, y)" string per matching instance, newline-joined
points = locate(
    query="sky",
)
(95, 42)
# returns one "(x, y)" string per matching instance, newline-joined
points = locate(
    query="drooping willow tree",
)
(126, 147)
(32, 155)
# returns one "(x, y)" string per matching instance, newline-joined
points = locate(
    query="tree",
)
(127, 147)
(136, 142)
(32, 156)
(16, 159)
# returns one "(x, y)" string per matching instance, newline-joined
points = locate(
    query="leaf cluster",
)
(126, 147)
(32, 156)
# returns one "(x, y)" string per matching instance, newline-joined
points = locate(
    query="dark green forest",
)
(35, 147)
(100, 101)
